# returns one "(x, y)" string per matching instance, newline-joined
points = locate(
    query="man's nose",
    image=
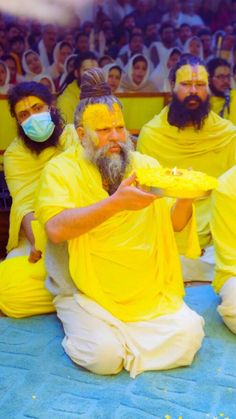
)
(114, 134)
(193, 88)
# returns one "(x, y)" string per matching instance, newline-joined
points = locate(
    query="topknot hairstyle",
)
(94, 90)
(93, 84)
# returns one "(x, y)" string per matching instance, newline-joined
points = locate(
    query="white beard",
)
(112, 168)
(48, 11)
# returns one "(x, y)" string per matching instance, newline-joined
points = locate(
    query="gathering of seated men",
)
(85, 239)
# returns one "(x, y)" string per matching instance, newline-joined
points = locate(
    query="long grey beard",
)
(112, 168)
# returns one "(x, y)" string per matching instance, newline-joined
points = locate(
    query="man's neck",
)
(217, 93)
(167, 44)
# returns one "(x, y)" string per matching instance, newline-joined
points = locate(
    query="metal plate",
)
(185, 195)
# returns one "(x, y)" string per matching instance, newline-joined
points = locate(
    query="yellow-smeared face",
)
(188, 73)
(28, 106)
(191, 80)
(108, 124)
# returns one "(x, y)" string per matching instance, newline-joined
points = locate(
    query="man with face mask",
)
(123, 307)
(187, 134)
(41, 136)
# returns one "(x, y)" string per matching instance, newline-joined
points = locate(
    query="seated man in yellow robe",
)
(68, 99)
(41, 136)
(223, 98)
(223, 225)
(126, 307)
(188, 134)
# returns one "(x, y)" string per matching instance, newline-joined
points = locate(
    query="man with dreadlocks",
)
(123, 305)
(41, 136)
(187, 134)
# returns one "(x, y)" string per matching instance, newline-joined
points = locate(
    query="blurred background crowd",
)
(136, 42)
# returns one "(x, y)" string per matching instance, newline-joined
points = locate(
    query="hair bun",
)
(93, 84)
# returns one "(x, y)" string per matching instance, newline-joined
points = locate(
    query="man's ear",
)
(76, 73)
(80, 132)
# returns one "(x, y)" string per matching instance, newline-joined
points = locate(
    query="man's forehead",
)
(88, 63)
(191, 72)
(100, 116)
(27, 103)
(222, 69)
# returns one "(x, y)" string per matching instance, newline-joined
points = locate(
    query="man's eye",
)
(23, 115)
(38, 108)
(104, 130)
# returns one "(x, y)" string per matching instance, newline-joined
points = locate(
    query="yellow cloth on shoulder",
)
(7, 127)
(68, 101)
(22, 171)
(22, 289)
(211, 150)
(217, 104)
(223, 226)
(129, 264)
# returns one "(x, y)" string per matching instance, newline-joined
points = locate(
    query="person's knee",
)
(227, 308)
(230, 322)
(192, 333)
(103, 357)
(193, 327)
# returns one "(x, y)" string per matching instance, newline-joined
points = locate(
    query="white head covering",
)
(187, 46)
(160, 76)
(65, 72)
(39, 77)
(4, 89)
(28, 74)
(106, 69)
(56, 52)
(127, 82)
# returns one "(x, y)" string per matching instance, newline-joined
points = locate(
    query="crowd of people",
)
(85, 239)
(142, 40)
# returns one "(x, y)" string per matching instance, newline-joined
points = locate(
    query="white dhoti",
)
(97, 341)
(23, 249)
(201, 269)
(227, 308)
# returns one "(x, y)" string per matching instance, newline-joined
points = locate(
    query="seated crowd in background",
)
(183, 51)
(155, 34)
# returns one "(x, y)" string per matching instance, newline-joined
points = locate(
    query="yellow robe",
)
(128, 264)
(7, 126)
(68, 101)
(211, 150)
(22, 290)
(217, 104)
(22, 171)
(223, 225)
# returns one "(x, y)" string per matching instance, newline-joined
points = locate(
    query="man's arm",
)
(181, 212)
(71, 223)
(35, 255)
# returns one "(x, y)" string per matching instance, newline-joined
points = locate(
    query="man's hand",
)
(35, 255)
(132, 198)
